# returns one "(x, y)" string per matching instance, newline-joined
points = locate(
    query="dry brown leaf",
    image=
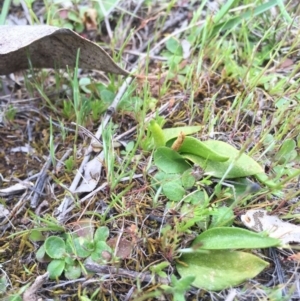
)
(178, 142)
(90, 19)
(50, 47)
(123, 245)
(294, 257)
(259, 220)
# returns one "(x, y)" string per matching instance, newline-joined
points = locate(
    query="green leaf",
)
(157, 133)
(55, 247)
(218, 270)
(41, 255)
(187, 179)
(230, 24)
(174, 46)
(223, 10)
(169, 160)
(101, 233)
(73, 271)
(243, 165)
(161, 178)
(83, 83)
(83, 247)
(194, 146)
(222, 217)
(15, 297)
(285, 151)
(172, 133)
(55, 268)
(233, 238)
(173, 191)
(36, 235)
(101, 246)
(263, 178)
(159, 267)
(107, 96)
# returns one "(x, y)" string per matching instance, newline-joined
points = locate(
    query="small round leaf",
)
(55, 268)
(55, 247)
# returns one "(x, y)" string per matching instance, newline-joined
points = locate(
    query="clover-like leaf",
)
(55, 268)
(101, 233)
(36, 235)
(102, 250)
(41, 254)
(73, 271)
(82, 247)
(187, 179)
(173, 191)
(55, 247)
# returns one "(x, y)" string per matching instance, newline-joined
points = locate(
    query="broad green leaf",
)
(173, 191)
(218, 270)
(194, 146)
(55, 247)
(169, 160)
(243, 165)
(55, 268)
(72, 271)
(101, 233)
(172, 133)
(263, 178)
(233, 238)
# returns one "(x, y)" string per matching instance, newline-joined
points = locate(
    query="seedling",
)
(179, 287)
(66, 253)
